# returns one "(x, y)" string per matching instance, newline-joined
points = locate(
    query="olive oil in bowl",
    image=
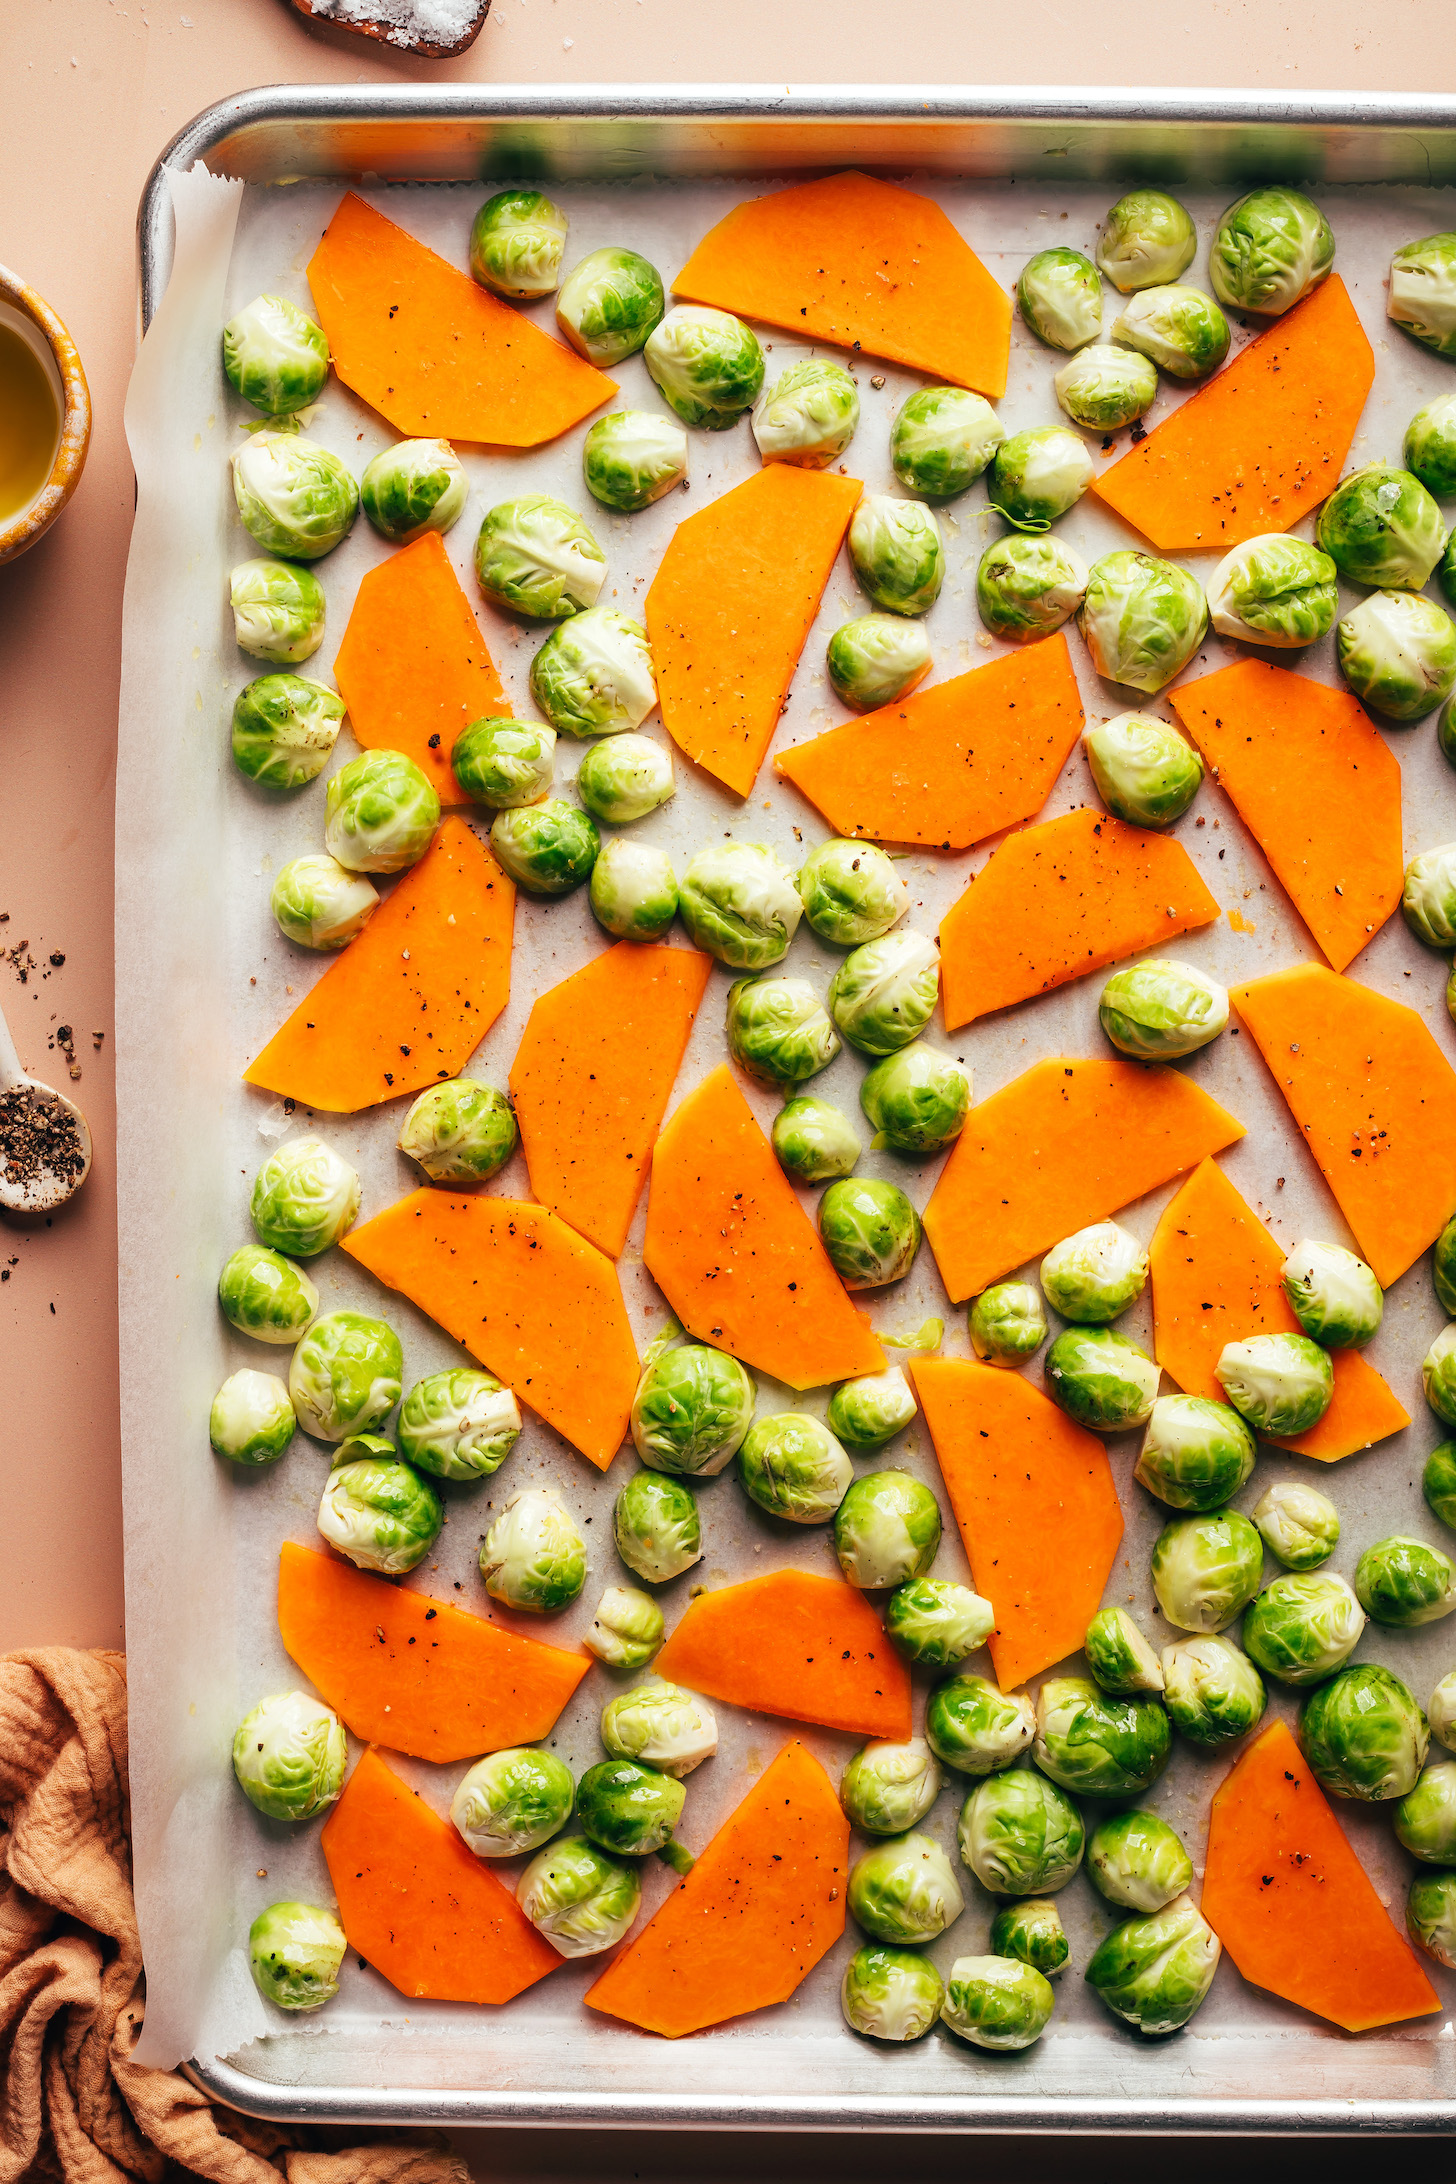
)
(30, 423)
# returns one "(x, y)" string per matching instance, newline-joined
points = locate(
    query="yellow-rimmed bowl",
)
(23, 309)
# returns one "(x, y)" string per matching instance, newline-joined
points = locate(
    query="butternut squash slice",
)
(736, 1256)
(1059, 901)
(953, 764)
(401, 1669)
(797, 1644)
(592, 1076)
(412, 996)
(729, 609)
(1258, 447)
(1317, 786)
(419, 1906)
(413, 666)
(763, 1905)
(536, 1304)
(1064, 1144)
(1292, 1904)
(1215, 1270)
(434, 352)
(1375, 1099)
(1033, 1496)
(865, 265)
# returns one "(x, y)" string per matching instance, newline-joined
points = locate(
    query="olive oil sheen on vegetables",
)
(30, 423)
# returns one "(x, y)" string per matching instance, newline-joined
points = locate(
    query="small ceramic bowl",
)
(23, 309)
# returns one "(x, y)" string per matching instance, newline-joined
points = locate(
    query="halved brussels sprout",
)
(1335, 1296)
(905, 1890)
(284, 728)
(865, 1414)
(289, 1756)
(887, 1788)
(1159, 1010)
(707, 363)
(884, 994)
(516, 242)
(655, 1525)
(630, 458)
(1119, 1656)
(1095, 1275)
(1438, 1373)
(779, 1030)
(851, 892)
(304, 1198)
(1020, 1835)
(896, 552)
(1154, 1972)
(1146, 240)
(624, 777)
(294, 1954)
(511, 1802)
(380, 812)
(1099, 1745)
(692, 1409)
(1031, 1931)
(1303, 1626)
(627, 1629)
(266, 1295)
(997, 2002)
(1430, 446)
(1423, 291)
(660, 1725)
(547, 848)
(1101, 1379)
(1397, 651)
(1206, 1569)
(1102, 388)
(1007, 1324)
(579, 1898)
(886, 1530)
(870, 1231)
(376, 1511)
(627, 1809)
(1430, 1916)
(1425, 1818)
(294, 497)
(1442, 1712)
(1299, 1525)
(1029, 585)
(533, 1558)
(1364, 1735)
(1381, 527)
(252, 1419)
(462, 1131)
(633, 890)
(503, 763)
(1143, 620)
(1147, 774)
(877, 659)
(1135, 1859)
(1037, 476)
(814, 1141)
(275, 356)
(1196, 1454)
(1274, 590)
(975, 1728)
(534, 556)
(1269, 250)
(1060, 296)
(740, 905)
(935, 1623)
(916, 1101)
(890, 1994)
(609, 304)
(1281, 1384)
(793, 1467)
(412, 488)
(317, 903)
(1438, 1483)
(942, 440)
(593, 676)
(1428, 903)
(278, 610)
(807, 417)
(1403, 1582)
(346, 1375)
(1212, 1691)
(458, 1424)
(1178, 328)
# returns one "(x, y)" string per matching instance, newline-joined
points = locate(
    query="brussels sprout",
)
(1060, 296)
(1364, 1735)
(1303, 1626)
(1147, 240)
(808, 416)
(1027, 586)
(1007, 1323)
(1423, 291)
(1206, 1569)
(936, 1624)
(278, 610)
(624, 777)
(886, 1530)
(1299, 1525)
(294, 497)
(1425, 1818)
(942, 440)
(284, 728)
(851, 892)
(884, 994)
(779, 1030)
(707, 363)
(1381, 527)
(1213, 1692)
(814, 1141)
(1403, 1582)
(1438, 1483)
(1103, 388)
(1196, 1454)
(317, 903)
(655, 1524)
(627, 1809)
(1442, 1712)
(376, 1511)
(630, 458)
(533, 1558)
(870, 1231)
(289, 1756)
(890, 1994)
(877, 659)
(251, 1420)
(916, 1101)
(1095, 1275)
(462, 1131)
(1438, 1373)
(1119, 1656)
(1037, 476)
(1282, 1384)
(1430, 446)
(1148, 775)
(412, 488)
(627, 1629)
(1269, 250)
(304, 1198)
(1156, 1971)
(534, 556)
(294, 1954)
(266, 1295)
(660, 1725)
(740, 905)
(865, 1414)
(609, 304)
(905, 1890)
(793, 1467)
(458, 1424)
(593, 676)
(1430, 1916)
(548, 848)
(512, 1802)
(1274, 590)
(1097, 1745)
(887, 1788)
(504, 763)
(1031, 1931)
(1397, 651)
(380, 813)
(345, 1377)
(1135, 1859)
(1333, 1295)
(579, 1898)
(1020, 1835)
(997, 2002)
(896, 553)
(1428, 903)
(691, 1411)
(1143, 620)
(516, 241)
(975, 1728)
(633, 890)
(1101, 1379)
(1178, 328)
(275, 356)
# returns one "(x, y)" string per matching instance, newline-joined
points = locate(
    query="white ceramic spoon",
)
(26, 1185)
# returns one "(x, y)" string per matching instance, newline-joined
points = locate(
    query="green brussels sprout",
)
(1007, 1324)
(886, 1530)
(997, 2002)
(1119, 1656)
(378, 1513)
(294, 497)
(252, 1419)
(1428, 903)
(1269, 250)
(779, 1030)
(304, 1198)
(380, 813)
(692, 1409)
(1101, 1379)
(904, 1890)
(533, 1558)
(579, 1898)
(1442, 1712)
(633, 890)
(975, 1728)
(317, 903)
(512, 1802)
(462, 1131)
(1438, 1373)
(1299, 1525)
(503, 763)
(867, 1413)
(1160, 1010)
(294, 1954)
(896, 552)
(1031, 1931)
(1095, 1275)
(458, 1424)
(1196, 1454)
(707, 363)
(516, 242)
(916, 1101)
(278, 610)
(1403, 1582)
(345, 1377)
(740, 905)
(1029, 585)
(1206, 1569)
(1135, 1859)
(887, 1788)
(1438, 1483)
(1381, 527)
(1213, 1692)
(289, 1756)
(1430, 446)
(593, 676)
(1364, 1735)
(851, 892)
(1148, 775)
(660, 1725)
(870, 1231)
(412, 488)
(1180, 329)
(1146, 240)
(534, 556)
(1274, 590)
(1155, 1971)
(548, 848)
(877, 659)
(1097, 1745)
(609, 304)
(890, 1994)
(1397, 651)
(884, 994)
(1333, 1295)
(623, 777)
(1020, 1835)
(1423, 291)
(275, 356)
(814, 1141)
(1060, 296)
(1143, 620)
(793, 1467)
(628, 1628)
(1303, 1626)
(1037, 476)
(266, 1295)
(942, 440)
(655, 1524)
(1102, 388)
(1430, 1916)
(1425, 1818)
(808, 416)
(1281, 1384)
(284, 728)
(630, 458)
(627, 1809)
(936, 1624)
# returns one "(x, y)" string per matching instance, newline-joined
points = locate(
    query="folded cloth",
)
(74, 2109)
